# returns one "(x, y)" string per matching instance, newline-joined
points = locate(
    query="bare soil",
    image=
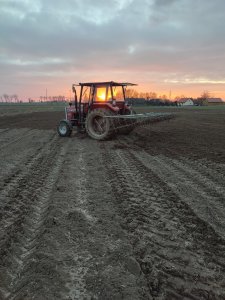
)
(138, 217)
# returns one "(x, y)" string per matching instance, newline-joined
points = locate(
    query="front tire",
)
(64, 129)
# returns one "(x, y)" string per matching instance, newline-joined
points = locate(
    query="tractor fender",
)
(114, 109)
(108, 106)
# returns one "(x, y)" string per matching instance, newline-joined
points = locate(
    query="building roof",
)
(214, 100)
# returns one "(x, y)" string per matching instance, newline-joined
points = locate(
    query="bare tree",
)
(179, 97)
(151, 95)
(142, 95)
(163, 97)
(15, 97)
(131, 93)
(11, 98)
(205, 95)
(6, 97)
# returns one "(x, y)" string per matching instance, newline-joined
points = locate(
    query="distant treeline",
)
(153, 102)
(15, 99)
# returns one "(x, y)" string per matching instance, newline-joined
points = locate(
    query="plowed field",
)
(137, 217)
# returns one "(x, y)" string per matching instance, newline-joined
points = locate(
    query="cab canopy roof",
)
(112, 83)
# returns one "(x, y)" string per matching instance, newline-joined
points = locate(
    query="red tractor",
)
(101, 110)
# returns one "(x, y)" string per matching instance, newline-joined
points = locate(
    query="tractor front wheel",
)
(64, 129)
(98, 126)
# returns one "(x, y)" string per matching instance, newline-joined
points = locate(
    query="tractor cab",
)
(94, 95)
(101, 92)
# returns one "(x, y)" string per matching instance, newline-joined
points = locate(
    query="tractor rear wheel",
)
(64, 129)
(98, 126)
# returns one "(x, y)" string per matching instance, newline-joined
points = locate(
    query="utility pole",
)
(46, 93)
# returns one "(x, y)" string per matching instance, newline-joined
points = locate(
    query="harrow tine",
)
(135, 120)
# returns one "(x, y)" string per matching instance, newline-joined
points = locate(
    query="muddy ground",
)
(137, 217)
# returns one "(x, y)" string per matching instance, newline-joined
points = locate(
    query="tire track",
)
(30, 196)
(201, 186)
(82, 240)
(202, 194)
(11, 134)
(96, 207)
(207, 182)
(3, 131)
(13, 181)
(214, 171)
(24, 135)
(16, 158)
(76, 285)
(175, 249)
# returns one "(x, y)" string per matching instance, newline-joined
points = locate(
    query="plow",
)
(102, 110)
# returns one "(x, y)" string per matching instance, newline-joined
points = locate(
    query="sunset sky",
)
(162, 45)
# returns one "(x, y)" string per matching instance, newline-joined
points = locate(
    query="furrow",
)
(209, 185)
(210, 170)
(81, 194)
(23, 237)
(166, 237)
(24, 188)
(24, 135)
(16, 157)
(3, 131)
(11, 183)
(213, 171)
(8, 134)
(207, 207)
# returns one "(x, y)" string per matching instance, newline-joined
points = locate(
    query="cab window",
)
(103, 93)
(118, 93)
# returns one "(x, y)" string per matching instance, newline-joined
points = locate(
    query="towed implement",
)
(102, 111)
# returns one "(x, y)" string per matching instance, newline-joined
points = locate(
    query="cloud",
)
(123, 38)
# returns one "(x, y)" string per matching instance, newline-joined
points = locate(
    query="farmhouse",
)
(185, 102)
(215, 101)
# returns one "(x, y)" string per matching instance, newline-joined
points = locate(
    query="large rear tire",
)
(97, 126)
(64, 129)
